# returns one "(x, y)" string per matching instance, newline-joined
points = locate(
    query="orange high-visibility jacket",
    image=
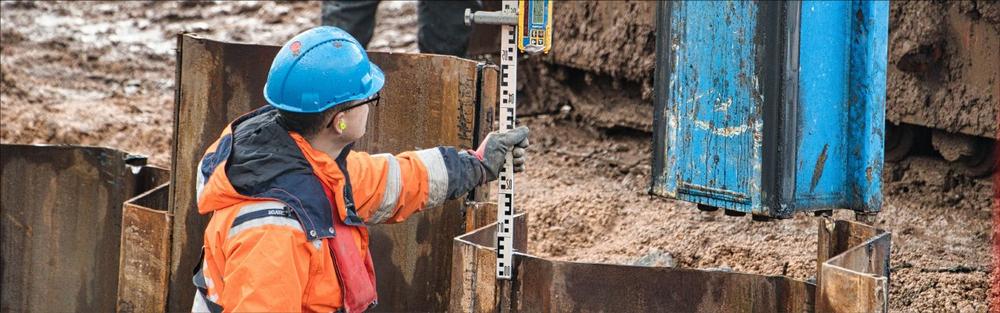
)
(287, 231)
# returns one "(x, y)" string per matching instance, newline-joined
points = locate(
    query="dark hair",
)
(306, 124)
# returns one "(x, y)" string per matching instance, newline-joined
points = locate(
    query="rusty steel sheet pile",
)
(62, 213)
(853, 277)
(853, 263)
(145, 253)
(428, 100)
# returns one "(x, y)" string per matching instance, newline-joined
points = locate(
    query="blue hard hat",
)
(319, 69)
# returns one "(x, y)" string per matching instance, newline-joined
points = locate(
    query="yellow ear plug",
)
(342, 125)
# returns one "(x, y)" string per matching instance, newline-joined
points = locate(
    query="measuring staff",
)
(525, 26)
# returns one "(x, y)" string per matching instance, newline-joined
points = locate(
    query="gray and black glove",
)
(469, 169)
(493, 151)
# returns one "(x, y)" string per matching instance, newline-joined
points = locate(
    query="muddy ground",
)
(586, 193)
(102, 74)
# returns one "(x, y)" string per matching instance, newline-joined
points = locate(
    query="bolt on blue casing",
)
(769, 107)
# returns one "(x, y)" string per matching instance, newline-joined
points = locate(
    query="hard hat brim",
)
(378, 81)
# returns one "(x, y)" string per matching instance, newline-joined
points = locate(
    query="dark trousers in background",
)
(441, 24)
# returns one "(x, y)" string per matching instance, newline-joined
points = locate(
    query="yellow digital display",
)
(534, 26)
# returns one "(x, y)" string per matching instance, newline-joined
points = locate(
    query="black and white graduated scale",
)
(508, 101)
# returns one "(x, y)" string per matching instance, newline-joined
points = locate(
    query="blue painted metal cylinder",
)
(769, 107)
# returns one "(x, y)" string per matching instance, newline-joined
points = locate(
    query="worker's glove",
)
(469, 169)
(493, 151)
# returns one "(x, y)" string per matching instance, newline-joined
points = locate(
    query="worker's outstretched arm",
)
(388, 189)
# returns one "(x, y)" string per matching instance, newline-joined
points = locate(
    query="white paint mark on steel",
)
(723, 105)
(722, 131)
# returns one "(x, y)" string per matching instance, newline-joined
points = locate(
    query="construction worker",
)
(290, 202)
(441, 30)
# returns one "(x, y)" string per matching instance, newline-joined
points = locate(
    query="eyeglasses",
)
(374, 99)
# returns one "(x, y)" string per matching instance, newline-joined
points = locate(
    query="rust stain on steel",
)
(851, 258)
(216, 82)
(818, 168)
(554, 285)
(62, 207)
(145, 253)
(479, 214)
(428, 100)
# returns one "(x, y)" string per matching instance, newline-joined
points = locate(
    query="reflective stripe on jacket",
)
(273, 197)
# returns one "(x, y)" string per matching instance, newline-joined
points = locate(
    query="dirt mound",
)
(944, 65)
(617, 39)
(598, 100)
(600, 67)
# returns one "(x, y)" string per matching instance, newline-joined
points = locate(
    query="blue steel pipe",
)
(771, 107)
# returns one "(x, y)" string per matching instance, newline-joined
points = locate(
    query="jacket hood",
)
(256, 158)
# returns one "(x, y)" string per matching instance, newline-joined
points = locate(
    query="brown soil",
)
(102, 74)
(594, 69)
(607, 38)
(944, 65)
(585, 191)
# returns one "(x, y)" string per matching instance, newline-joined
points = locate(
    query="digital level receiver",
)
(534, 27)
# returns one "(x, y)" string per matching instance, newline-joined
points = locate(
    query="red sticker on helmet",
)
(296, 46)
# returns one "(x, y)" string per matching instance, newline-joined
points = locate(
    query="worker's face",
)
(356, 120)
(349, 125)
